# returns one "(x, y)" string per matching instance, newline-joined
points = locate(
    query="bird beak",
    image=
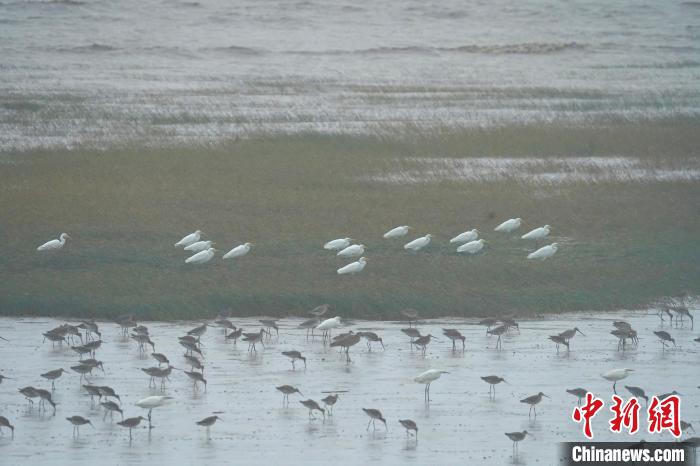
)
(579, 331)
(546, 396)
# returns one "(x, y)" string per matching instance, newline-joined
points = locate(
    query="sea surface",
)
(460, 425)
(99, 73)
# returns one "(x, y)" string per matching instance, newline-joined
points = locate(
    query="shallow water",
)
(459, 426)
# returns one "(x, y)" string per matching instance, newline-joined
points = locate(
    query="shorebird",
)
(638, 392)
(409, 425)
(666, 395)
(616, 375)
(225, 324)
(347, 342)
(509, 225)
(498, 331)
(198, 331)
(559, 340)
(411, 315)
(150, 403)
(54, 337)
(190, 239)
(397, 232)
(2, 377)
(683, 311)
(465, 237)
(110, 407)
(93, 363)
(622, 337)
(197, 377)
(294, 355)
(493, 380)
(78, 421)
(190, 347)
(93, 345)
(235, 335)
(579, 393)
(81, 350)
(337, 244)
(516, 437)
(454, 335)
(29, 393)
(143, 340)
(131, 422)
(354, 250)
(328, 325)
(423, 342)
(45, 396)
(686, 426)
(329, 402)
(418, 243)
(4, 422)
(54, 244)
(569, 334)
(488, 322)
(93, 391)
(253, 339)
(312, 405)
(194, 363)
(318, 311)
(412, 333)
(208, 422)
(533, 401)
(428, 377)
(90, 327)
(664, 337)
(309, 325)
(107, 392)
(370, 337)
(161, 358)
(53, 375)
(191, 339)
(270, 323)
(286, 391)
(374, 414)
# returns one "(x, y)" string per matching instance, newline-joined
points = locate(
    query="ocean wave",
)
(237, 50)
(533, 48)
(94, 47)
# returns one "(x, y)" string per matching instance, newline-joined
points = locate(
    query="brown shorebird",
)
(664, 337)
(685, 426)
(683, 311)
(318, 311)
(330, 402)
(131, 422)
(638, 392)
(93, 345)
(93, 391)
(90, 327)
(161, 358)
(622, 337)
(198, 331)
(78, 421)
(666, 395)
(313, 406)
(488, 322)
(195, 363)
(108, 392)
(294, 355)
(569, 334)
(286, 391)
(196, 377)
(208, 422)
(374, 414)
(268, 324)
(309, 325)
(110, 407)
(45, 396)
(126, 322)
(371, 337)
(94, 363)
(412, 333)
(579, 393)
(498, 331)
(422, 342)
(190, 347)
(190, 339)
(560, 340)
(516, 437)
(2, 377)
(411, 315)
(533, 401)
(253, 339)
(454, 335)
(54, 337)
(29, 393)
(143, 340)
(4, 422)
(81, 350)
(225, 324)
(347, 342)
(409, 425)
(493, 380)
(235, 335)
(53, 375)
(83, 370)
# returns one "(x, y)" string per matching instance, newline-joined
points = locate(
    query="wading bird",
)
(615, 376)
(294, 356)
(313, 406)
(131, 422)
(428, 377)
(493, 380)
(409, 425)
(189, 239)
(466, 237)
(418, 243)
(199, 246)
(353, 267)
(329, 402)
(533, 401)
(374, 415)
(559, 340)
(544, 252)
(78, 421)
(509, 225)
(201, 257)
(537, 233)
(54, 244)
(422, 342)
(286, 391)
(196, 377)
(347, 342)
(454, 335)
(4, 422)
(472, 247)
(208, 422)
(638, 392)
(665, 337)
(355, 250)
(337, 244)
(110, 408)
(371, 337)
(238, 251)
(397, 232)
(498, 331)
(152, 402)
(516, 437)
(53, 376)
(328, 325)
(579, 393)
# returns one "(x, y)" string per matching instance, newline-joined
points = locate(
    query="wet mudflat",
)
(461, 424)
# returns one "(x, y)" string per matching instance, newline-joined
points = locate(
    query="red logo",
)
(665, 415)
(587, 412)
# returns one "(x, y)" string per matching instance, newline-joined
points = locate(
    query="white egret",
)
(355, 250)
(427, 378)
(152, 402)
(615, 375)
(466, 237)
(397, 232)
(472, 247)
(544, 252)
(199, 246)
(509, 225)
(418, 243)
(238, 251)
(54, 244)
(189, 239)
(337, 244)
(329, 324)
(537, 233)
(353, 267)
(201, 257)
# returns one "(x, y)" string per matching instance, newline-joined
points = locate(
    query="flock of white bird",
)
(469, 242)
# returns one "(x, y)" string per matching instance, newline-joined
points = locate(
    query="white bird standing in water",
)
(201, 257)
(544, 252)
(472, 247)
(199, 246)
(54, 244)
(428, 377)
(537, 233)
(616, 375)
(356, 250)
(466, 237)
(152, 402)
(337, 244)
(397, 232)
(238, 251)
(189, 239)
(418, 243)
(353, 267)
(509, 225)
